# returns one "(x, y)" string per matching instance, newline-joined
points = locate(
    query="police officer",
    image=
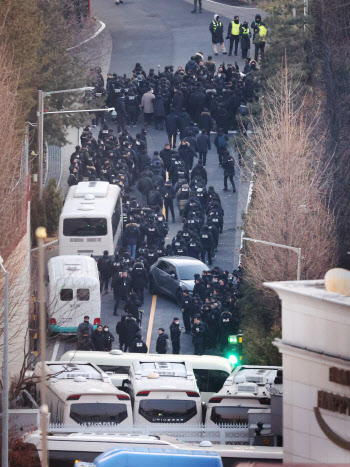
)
(245, 35)
(139, 280)
(175, 333)
(104, 267)
(138, 345)
(195, 6)
(226, 328)
(198, 332)
(207, 242)
(168, 194)
(229, 171)
(233, 34)
(187, 304)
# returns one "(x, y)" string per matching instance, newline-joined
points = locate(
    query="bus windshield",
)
(98, 413)
(85, 227)
(167, 411)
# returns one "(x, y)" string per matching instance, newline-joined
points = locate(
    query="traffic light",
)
(235, 348)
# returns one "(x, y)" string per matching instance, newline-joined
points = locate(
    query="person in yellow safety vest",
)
(217, 34)
(260, 41)
(233, 34)
(245, 35)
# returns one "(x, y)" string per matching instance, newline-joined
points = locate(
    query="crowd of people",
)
(191, 103)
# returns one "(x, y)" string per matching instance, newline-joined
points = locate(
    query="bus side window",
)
(66, 295)
(83, 295)
(116, 217)
(216, 380)
(202, 379)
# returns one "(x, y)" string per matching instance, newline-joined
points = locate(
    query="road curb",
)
(101, 28)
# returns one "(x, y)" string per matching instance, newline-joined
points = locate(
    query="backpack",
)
(167, 345)
(222, 141)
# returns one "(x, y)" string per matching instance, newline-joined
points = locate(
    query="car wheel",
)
(179, 296)
(152, 286)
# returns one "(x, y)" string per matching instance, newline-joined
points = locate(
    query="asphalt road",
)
(164, 32)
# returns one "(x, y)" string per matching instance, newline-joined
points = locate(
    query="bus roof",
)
(66, 379)
(90, 199)
(76, 266)
(110, 358)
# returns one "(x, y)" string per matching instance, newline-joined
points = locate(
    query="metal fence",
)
(218, 434)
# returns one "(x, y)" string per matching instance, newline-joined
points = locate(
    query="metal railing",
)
(218, 434)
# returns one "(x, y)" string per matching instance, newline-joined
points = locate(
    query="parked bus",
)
(91, 219)
(210, 371)
(163, 392)
(74, 291)
(65, 448)
(80, 393)
(248, 387)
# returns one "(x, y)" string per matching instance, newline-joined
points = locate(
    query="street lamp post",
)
(40, 126)
(40, 234)
(292, 248)
(5, 373)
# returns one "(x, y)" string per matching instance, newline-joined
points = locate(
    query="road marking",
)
(151, 319)
(91, 37)
(55, 351)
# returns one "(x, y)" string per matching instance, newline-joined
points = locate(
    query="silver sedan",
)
(173, 274)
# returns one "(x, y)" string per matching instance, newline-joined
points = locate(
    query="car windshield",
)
(187, 271)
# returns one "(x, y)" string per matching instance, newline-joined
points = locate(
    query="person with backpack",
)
(259, 40)
(220, 142)
(104, 266)
(163, 343)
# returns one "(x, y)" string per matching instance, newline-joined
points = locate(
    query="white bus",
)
(65, 448)
(80, 393)
(91, 219)
(210, 371)
(163, 392)
(248, 387)
(74, 291)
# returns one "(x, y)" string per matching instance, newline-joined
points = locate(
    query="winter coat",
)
(171, 123)
(147, 102)
(132, 234)
(139, 277)
(138, 346)
(120, 329)
(205, 122)
(168, 193)
(131, 329)
(203, 143)
(200, 171)
(187, 154)
(144, 185)
(245, 39)
(178, 100)
(98, 339)
(158, 105)
(217, 31)
(175, 332)
(161, 346)
(183, 120)
(121, 285)
(132, 307)
(84, 327)
(86, 344)
(109, 338)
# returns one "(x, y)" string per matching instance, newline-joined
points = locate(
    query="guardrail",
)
(218, 434)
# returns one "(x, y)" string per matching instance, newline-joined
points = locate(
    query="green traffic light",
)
(233, 359)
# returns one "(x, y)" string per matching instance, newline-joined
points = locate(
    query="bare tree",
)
(289, 205)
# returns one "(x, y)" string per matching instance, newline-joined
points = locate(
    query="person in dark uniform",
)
(104, 267)
(187, 303)
(162, 342)
(198, 332)
(229, 171)
(168, 194)
(207, 242)
(139, 345)
(175, 333)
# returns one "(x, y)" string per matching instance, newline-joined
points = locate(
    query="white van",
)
(74, 291)
(210, 371)
(163, 392)
(80, 393)
(248, 387)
